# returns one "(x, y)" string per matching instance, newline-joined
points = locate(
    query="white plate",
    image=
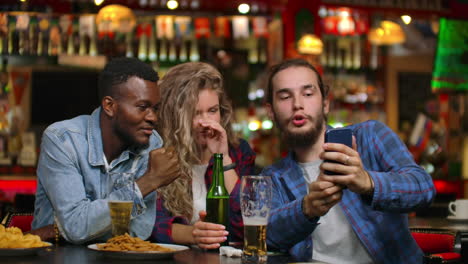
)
(452, 217)
(9, 252)
(141, 254)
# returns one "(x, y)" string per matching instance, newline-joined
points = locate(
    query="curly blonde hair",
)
(180, 87)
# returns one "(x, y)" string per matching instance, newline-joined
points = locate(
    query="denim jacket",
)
(74, 185)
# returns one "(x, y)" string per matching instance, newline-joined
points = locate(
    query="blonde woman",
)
(195, 120)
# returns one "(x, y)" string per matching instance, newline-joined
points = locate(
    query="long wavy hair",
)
(180, 87)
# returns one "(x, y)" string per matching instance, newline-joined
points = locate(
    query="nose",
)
(205, 115)
(151, 116)
(298, 103)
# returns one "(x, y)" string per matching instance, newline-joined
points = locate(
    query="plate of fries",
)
(128, 247)
(14, 243)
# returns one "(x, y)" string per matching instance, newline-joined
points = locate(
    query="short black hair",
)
(119, 70)
(288, 64)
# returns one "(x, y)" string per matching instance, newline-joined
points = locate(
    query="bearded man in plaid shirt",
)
(359, 213)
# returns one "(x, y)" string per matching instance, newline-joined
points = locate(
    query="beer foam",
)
(255, 221)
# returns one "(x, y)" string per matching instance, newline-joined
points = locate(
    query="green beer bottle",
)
(217, 198)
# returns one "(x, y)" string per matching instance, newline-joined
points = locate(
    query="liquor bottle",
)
(357, 52)
(194, 54)
(13, 38)
(152, 52)
(183, 51)
(32, 36)
(143, 47)
(162, 50)
(172, 51)
(129, 44)
(217, 198)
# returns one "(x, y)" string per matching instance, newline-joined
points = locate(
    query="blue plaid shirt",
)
(380, 221)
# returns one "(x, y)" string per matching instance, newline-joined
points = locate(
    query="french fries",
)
(12, 237)
(128, 243)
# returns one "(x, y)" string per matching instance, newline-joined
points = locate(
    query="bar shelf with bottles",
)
(165, 39)
(351, 66)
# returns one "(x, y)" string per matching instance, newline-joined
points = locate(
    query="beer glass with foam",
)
(121, 210)
(255, 198)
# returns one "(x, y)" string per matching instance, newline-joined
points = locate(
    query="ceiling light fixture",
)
(388, 33)
(98, 2)
(310, 44)
(243, 8)
(194, 4)
(406, 19)
(172, 4)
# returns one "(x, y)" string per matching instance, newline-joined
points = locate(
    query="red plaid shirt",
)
(244, 157)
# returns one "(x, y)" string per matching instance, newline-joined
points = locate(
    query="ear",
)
(270, 112)
(326, 105)
(108, 105)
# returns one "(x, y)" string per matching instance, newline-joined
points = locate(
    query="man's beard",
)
(301, 139)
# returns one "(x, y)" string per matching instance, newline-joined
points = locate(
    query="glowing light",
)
(336, 124)
(243, 8)
(172, 4)
(254, 125)
(252, 96)
(254, 8)
(260, 93)
(406, 19)
(322, 12)
(267, 124)
(119, 18)
(388, 33)
(194, 4)
(310, 44)
(237, 127)
(96, 2)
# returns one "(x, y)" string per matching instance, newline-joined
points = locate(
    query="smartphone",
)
(338, 135)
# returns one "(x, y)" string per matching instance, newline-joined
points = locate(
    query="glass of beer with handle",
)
(255, 199)
(121, 210)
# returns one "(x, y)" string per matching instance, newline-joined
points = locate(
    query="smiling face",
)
(135, 113)
(207, 109)
(298, 107)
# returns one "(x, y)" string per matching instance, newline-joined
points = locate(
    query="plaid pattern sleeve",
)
(379, 221)
(162, 231)
(400, 185)
(244, 157)
(288, 228)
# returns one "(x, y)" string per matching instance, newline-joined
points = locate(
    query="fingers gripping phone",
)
(338, 135)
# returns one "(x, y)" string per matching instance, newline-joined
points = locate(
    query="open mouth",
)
(299, 120)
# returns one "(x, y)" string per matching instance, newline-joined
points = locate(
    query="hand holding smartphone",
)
(338, 135)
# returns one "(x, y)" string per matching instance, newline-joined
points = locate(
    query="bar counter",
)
(73, 254)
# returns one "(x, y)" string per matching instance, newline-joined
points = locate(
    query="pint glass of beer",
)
(121, 210)
(255, 198)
